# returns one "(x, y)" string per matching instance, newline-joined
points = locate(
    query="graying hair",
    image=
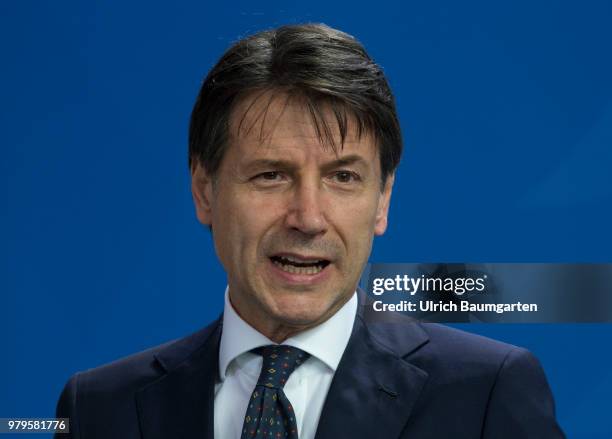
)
(325, 68)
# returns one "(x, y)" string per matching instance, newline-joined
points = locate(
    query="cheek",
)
(356, 228)
(360, 217)
(227, 233)
(243, 224)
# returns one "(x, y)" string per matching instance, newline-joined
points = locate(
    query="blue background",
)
(507, 113)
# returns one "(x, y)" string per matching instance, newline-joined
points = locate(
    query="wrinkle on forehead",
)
(331, 122)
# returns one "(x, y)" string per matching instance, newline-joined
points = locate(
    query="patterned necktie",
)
(269, 414)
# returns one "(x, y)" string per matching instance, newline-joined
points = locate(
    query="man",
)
(294, 141)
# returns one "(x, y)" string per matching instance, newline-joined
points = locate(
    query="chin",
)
(302, 312)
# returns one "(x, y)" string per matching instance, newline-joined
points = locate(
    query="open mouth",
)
(296, 265)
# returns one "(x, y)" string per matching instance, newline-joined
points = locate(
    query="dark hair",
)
(326, 68)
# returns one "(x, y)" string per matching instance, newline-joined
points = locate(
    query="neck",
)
(273, 328)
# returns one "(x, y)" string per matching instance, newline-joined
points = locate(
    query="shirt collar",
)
(326, 341)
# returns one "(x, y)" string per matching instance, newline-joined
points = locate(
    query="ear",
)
(383, 206)
(202, 192)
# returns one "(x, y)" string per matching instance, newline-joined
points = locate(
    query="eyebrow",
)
(290, 166)
(352, 159)
(268, 163)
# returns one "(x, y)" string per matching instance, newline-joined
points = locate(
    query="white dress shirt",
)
(307, 386)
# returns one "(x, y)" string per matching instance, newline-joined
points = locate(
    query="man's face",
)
(292, 221)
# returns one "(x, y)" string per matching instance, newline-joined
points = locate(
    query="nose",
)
(306, 211)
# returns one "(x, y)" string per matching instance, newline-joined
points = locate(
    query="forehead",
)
(268, 121)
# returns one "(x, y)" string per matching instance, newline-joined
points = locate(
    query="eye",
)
(346, 177)
(269, 175)
(268, 178)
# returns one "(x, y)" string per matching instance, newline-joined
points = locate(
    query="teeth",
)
(298, 270)
(291, 259)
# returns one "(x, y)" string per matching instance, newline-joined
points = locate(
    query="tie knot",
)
(279, 361)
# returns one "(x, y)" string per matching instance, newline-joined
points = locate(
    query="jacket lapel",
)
(375, 387)
(180, 404)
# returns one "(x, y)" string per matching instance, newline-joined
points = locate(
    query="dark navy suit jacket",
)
(396, 379)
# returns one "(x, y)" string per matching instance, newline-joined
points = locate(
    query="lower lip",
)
(299, 279)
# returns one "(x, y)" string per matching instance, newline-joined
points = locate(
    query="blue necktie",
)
(269, 414)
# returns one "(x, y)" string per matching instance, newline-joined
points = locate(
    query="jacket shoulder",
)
(128, 374)
(464, 349)
(101, 402)
(456, 359)
(455, 340)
